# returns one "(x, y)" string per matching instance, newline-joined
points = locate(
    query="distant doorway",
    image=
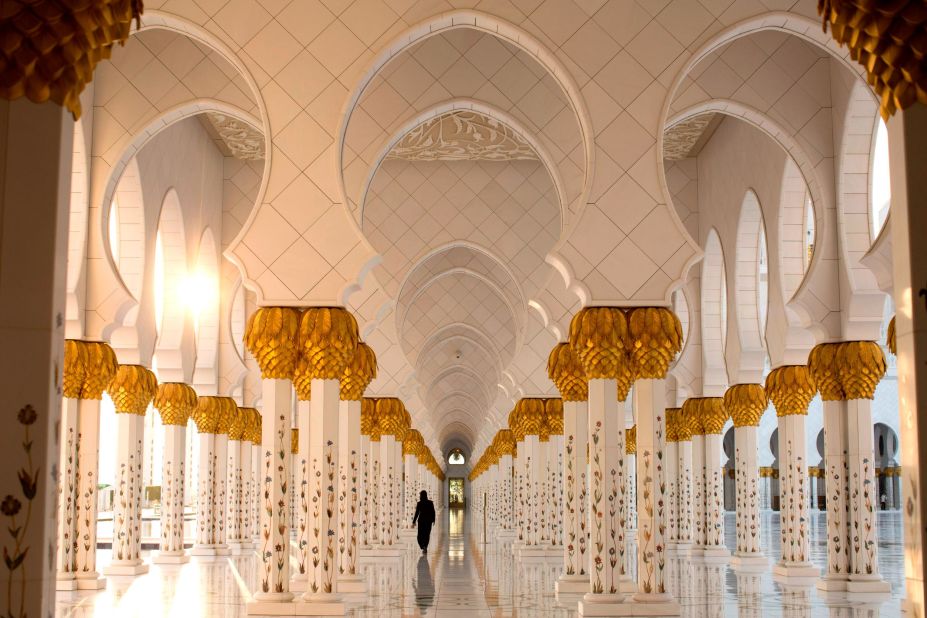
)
(455, 493)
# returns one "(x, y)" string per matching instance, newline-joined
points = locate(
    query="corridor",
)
(462, 578)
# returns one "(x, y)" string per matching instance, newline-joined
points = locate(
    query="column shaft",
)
(863, 496)
(348, 495)
(684, 498)
(699, 482)
(127, 501)
(247, 495)
(747, 488)
(68, 496)
(236, 494)
(221, 493)
(173, 477)
(388, 469)
(301, 496)
(205, 496)
(714, 497)
(672, 496)
(835, 484)
(363, 491)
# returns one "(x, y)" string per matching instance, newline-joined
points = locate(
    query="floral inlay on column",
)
(746, 404)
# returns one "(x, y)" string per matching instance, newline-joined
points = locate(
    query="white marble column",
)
(175, 402)
(247, 497)
(409, 495)
(684, 496)
(132, 390)
(322, 521)
(205, 544)
(533, 473)
(367, 535)
(221, 479)
(301, 495)
(714, 417)
(507, 530)
(257, 481)
(555, 520)
(671, 465)
(790, 389)
(68, 495)
(349, 507)
(699, 477)
(575, 576)
(746, 404)
(389, 467)
(605, 456)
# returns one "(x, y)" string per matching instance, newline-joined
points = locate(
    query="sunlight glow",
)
(198, 292)
(881, 195)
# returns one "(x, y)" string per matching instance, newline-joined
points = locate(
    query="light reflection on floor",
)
(461, 577)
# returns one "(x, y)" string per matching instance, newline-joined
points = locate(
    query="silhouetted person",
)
(425, 516)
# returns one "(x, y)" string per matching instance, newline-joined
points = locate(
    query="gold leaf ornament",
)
(101, 369)
(746, 404)
(673, 425)
(531, 412)
(238, 424)
(252, 425)
(656, 338)
(369, 424)
(132, 389)
(358, 373)
(174, 401)
(228, 415)
(791, 389)
(328, 339)
(412, 442)
(822, 363)
(860, 367)
(294, 441)
(272, 337)
(713, 414)
(630, 440)
(691, 418)
(599, 339)
(516, 424)
(75, 368)
(505, 441)
(207, 413)
(49, 48)
(390, 419)
(567, 373)
(553, 412)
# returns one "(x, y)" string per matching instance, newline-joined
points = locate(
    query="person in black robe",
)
(425, 516)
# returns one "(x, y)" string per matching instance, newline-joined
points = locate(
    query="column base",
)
(506, 535)
(832, 584)
(300, 583)
(90, 581)
(407, 533)
(382, 552)
(65, 581)
(125, 568)
(602, 605)
(797, 574)
(679, 548)
(170, 557)
(869, 588)
(243, 549)
(203, 550)
(536, 552)
(653, 604)
(351, 584)
(710, 555)
(572, 584)
(270, 604)
(749, 563)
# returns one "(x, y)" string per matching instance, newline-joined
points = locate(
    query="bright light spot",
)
(159, 281)
(197, 291)
(881, 182)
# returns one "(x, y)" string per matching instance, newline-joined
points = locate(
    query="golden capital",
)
(630, 441)
(886, 38)
(791, 388)
(505, 442)
(358, 373)
(238, 423)
(673, 422)
(390, 417)
(860, 367)
(690, 419)
(75, 368)
(890, 341)
(599, 339)
(530, 411)
(51, 48)
(174, 401)
(516, 424)
(553, 412)
(132, 389)
(207, 413)
(294, 441)
(822, 363)
(327, 342)
(369, 425)
(252, 425)
(101, 368)
(746, 404)
(567, 373)
(272, 338)
(412, 442)
(713, 414)
(656, 338)
(228, 412)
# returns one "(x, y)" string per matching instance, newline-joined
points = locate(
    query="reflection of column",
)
(746, 404)
(566, 372)
(100, 369)
(713, 417)
(749, 594)
(791, 388)
(847, 374)
(357, 375)
(175, 402)
(131, 390)
(598, 338)
(655, 337)
(271, 337)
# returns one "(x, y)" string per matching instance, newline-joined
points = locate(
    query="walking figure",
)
(425, 516)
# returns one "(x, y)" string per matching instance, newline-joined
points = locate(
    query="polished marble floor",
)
(461, 577)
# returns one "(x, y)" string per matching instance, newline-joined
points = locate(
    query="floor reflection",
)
(464, 577)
